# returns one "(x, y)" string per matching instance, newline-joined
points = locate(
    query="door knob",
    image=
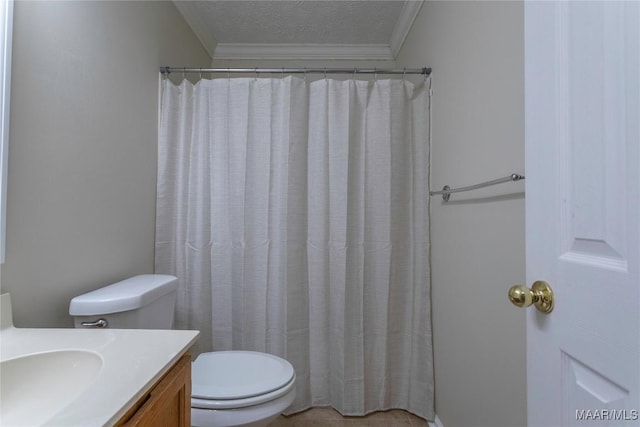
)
(539, 295)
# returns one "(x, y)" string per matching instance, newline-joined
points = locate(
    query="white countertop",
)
(132, 361)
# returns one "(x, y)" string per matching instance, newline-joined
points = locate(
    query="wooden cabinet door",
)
(168, 403)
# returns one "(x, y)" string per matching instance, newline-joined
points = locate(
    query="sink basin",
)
(34, 387)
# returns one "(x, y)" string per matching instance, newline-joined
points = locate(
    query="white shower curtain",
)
(295, 216)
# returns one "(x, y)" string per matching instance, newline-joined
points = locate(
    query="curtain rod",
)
(424, 71)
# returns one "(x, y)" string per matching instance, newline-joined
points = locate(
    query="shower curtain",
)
(295, 216)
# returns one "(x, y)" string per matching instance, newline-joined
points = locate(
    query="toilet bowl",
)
(229, 388)
(240, 388)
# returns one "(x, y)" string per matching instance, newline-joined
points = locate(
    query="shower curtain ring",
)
(228, 73)
(184, 73)
(375, 74)
(255, 70)
(404, 74)
(200, 73)
(325, 72)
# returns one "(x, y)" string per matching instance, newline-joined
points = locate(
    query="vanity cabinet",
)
(167, 403)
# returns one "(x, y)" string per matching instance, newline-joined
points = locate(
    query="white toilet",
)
(229, 388)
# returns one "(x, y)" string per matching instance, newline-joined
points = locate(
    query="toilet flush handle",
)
(100, 323)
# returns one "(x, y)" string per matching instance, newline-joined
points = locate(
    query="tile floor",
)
(319, 417)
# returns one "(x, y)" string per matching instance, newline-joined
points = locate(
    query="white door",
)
(582, 102)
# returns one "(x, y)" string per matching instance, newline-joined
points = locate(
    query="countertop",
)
(132, 361)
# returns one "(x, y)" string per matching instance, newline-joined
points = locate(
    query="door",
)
(582, 97)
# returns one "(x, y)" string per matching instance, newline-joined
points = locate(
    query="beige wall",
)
(476, 51)
(82, 154)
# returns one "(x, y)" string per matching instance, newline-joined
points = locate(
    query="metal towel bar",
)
(446, 190)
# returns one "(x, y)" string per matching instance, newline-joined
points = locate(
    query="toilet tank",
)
(140, 302)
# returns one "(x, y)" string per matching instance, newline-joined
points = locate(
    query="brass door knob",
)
(539, 295)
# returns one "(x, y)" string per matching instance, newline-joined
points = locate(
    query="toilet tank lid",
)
(128, 294)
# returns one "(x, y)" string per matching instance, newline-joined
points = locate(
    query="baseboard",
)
(436, 422)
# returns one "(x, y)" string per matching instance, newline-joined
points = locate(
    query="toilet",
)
(229, 388)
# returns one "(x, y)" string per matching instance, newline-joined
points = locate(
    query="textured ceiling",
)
(345, 22)
(274, 24)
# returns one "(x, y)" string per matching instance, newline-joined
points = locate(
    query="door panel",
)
(583, 211)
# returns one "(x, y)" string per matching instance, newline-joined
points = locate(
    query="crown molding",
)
(403, 25)
(198, 25)
(380, 52)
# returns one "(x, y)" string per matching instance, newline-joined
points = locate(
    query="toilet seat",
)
(241, 403)
(236, 379)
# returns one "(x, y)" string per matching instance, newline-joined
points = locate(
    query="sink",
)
(34, 387)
